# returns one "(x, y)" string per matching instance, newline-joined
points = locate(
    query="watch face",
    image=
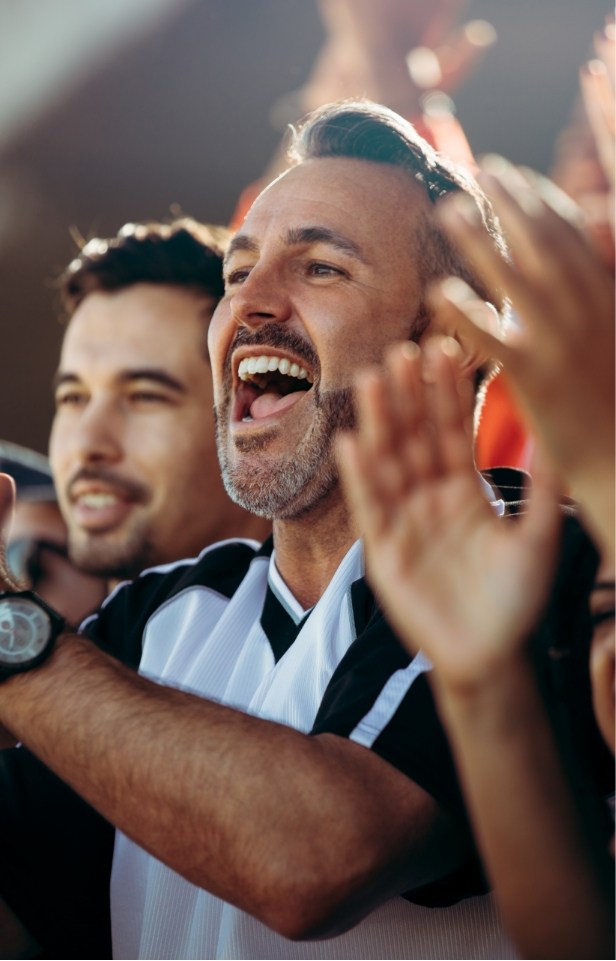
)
(25, 629)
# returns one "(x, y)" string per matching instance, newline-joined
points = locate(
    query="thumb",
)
(7, 502)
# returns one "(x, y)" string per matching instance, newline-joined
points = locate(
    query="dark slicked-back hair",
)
(183, 253)
(363, 130)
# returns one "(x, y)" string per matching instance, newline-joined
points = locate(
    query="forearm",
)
(293, 829)
(553, 887)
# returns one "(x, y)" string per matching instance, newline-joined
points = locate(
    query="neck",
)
(239, 523)
(310, 549)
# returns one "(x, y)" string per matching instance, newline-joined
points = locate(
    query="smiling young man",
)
(132, 445)
(289, 778)
(133, 453)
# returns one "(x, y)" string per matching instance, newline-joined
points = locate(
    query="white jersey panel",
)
(293, 692)
(200, 641)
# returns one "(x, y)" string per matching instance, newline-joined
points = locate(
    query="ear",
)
(447, 323)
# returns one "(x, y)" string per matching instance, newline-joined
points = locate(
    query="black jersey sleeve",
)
(407, 732)
(55, 860)
(118, 626)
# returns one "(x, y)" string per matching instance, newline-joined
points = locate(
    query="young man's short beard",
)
(293, 486)
(114, 561)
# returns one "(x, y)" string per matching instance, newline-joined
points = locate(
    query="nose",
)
(261, 298)
(99, 433)
(95, 436)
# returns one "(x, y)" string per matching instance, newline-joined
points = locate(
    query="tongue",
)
(266, 405)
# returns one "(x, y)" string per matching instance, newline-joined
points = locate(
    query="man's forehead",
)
(340, 192)
(141, 327)
(130, 314)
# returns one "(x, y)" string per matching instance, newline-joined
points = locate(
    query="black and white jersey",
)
(226, 627)
(336, 669)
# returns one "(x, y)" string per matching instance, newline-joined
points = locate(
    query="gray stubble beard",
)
(291, 488)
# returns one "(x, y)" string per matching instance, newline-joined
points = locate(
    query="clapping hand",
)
(454, 579)
(560, 359)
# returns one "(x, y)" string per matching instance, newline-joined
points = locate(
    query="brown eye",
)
(319, 269)
(70, 399)
(237, 276)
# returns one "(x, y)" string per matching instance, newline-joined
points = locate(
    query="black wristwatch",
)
(28, 630)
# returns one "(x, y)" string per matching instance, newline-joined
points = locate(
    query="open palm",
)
(454, 579)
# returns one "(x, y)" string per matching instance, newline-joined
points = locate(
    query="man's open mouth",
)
(268, 384)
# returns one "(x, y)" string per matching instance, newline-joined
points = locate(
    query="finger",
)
(460, 220)
(527, 220)
(403, 370)
(452, 402)
(554, 197)
(378, 432)
(403, 363)
(539, 298)
(374, 414)
(418, 450)
(598, 96)
(557, 272)
(457, 308)
(7, 504)
(542, 522)
(605, 48)
(543, 227)
(360, 486)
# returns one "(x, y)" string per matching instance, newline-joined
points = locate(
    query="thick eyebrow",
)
(324, 235)
(154, 374)
(240, 242)
(301, 235)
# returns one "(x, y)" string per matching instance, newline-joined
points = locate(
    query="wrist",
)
(494, 703)
(29, 628)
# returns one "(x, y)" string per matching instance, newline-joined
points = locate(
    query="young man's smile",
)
(100, 500)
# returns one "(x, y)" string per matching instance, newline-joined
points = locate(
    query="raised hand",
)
(454, 579)
(560, 360)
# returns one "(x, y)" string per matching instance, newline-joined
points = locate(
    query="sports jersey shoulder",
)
(118, 626)
(380, 697)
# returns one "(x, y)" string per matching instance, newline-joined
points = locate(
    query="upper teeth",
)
(265, 363)
(97, 500)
